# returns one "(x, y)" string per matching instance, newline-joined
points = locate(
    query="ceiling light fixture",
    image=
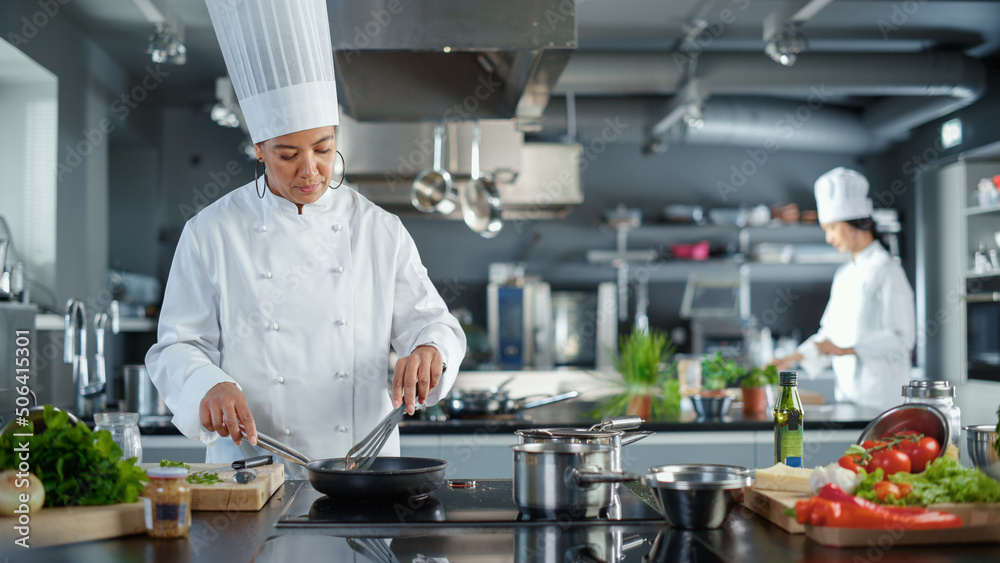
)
(784, 47)
(226, 111)
(166, 47)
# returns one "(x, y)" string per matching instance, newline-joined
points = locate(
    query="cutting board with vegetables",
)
(71, 524)
(981, 524)
(772, 505)
(228, 495)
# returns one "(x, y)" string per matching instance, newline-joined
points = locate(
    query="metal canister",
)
(941, 395)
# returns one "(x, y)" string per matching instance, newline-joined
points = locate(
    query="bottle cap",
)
(787, 378)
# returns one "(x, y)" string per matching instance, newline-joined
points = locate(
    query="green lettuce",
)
(944, 480)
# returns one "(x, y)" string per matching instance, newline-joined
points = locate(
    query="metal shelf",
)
(973, 211)
(51, 321)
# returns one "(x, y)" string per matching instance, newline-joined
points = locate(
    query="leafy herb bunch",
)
(76, 465)
(759, 377)
(717, 373)
(645, 365)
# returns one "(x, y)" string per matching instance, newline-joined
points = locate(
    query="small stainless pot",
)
(564, 479)
(614, 438)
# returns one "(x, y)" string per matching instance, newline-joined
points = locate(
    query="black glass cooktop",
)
(482, 502)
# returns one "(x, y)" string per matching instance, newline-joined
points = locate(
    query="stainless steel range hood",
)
(444, 60)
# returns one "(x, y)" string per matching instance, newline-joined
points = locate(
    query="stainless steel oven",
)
(983, 329)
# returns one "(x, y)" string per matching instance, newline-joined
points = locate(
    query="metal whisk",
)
(363, 454)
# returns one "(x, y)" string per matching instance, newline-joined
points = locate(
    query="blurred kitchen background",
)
(655, 161)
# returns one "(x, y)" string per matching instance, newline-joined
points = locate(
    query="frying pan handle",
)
(284, 450)
(549, 400)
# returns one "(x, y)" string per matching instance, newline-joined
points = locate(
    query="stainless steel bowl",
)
(697, 496)
(981, 440)
(711, 407)
(917, 417)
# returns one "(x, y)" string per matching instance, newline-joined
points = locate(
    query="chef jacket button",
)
(336, 228)
(274, 326)
(281, 379)
(286, 432)
(341, 429)
(341, 321)
(341, 375)
(339, 269)
(263, 228)
(267, 274)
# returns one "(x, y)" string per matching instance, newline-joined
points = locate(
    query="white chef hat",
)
(280, 59)
(842, 195)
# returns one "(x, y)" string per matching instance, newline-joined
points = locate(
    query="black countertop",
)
(252, 536)
(574, 414)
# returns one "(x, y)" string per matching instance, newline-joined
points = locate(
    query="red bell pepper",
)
(836, 509)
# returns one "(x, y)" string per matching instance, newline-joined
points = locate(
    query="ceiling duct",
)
(914, 87)
(444, 60)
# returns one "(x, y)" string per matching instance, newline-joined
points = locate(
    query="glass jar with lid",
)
(167, 502)
(124, 429)
(941, 395)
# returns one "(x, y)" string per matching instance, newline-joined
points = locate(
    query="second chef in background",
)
(868, 329)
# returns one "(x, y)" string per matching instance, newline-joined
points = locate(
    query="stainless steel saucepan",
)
(552, 480)
(609, 432)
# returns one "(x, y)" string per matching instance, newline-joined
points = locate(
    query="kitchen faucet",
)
(90, 395)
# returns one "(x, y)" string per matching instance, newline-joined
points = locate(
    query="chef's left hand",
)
(415, 376)
(831, 349)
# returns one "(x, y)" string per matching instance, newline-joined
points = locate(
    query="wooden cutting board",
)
(230, 495)
(71, 524)
(772, 505)
(981, 525)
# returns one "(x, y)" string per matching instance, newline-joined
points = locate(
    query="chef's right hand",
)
(783, 364)
(224, 409)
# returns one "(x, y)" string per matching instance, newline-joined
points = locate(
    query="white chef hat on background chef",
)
(842, 195)
(280, 59)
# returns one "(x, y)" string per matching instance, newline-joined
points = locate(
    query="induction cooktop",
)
(483, 502)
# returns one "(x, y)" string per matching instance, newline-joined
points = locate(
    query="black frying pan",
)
(388, 478)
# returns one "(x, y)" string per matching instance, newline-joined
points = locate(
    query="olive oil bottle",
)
(788, 422)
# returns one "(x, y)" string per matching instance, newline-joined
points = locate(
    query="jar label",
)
(147, 509)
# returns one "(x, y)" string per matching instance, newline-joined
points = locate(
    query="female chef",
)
(868, 328)
(285, 295)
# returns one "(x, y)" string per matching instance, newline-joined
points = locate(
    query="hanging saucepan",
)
(432, 190)
(481, 205)
(389, 478)
(611, 432)
(459, 404)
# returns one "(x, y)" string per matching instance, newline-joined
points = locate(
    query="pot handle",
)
(632, 437)
(587, 478)
(628, 422)
(549, 400)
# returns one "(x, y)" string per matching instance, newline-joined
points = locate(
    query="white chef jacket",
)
(298, 311)
(871, 309)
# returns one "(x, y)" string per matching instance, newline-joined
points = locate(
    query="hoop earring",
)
(256, 175)
(343, 172)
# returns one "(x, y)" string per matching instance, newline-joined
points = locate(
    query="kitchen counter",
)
(251, 536)
(573, 414)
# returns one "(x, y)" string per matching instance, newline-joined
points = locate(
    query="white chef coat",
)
(871, 309)
(298, 311)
